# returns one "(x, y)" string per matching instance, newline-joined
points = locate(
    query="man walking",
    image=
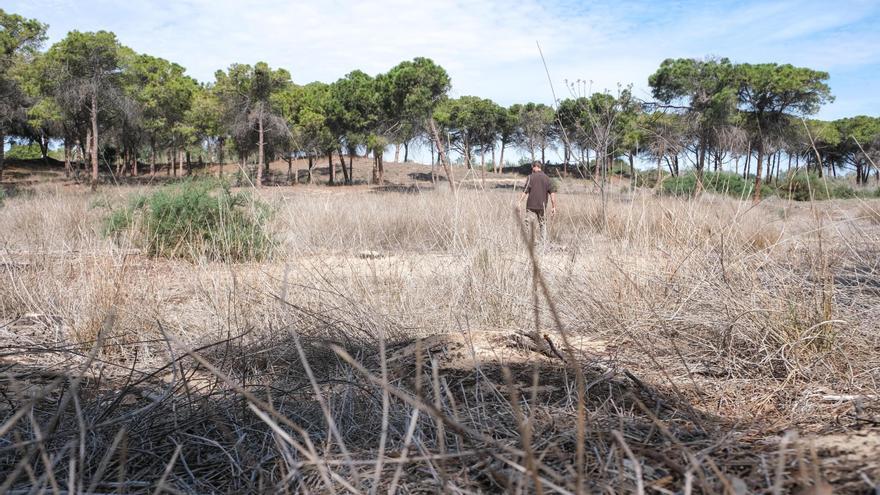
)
(537, 190)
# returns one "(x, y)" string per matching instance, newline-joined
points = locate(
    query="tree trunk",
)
(261, 157)
(311, 164)
(748, 165)
(346, 179)
(757, 194)
(396, 152)
(221, 143)
(701, 156)
(134, 163)
(66, 158)
(289, 168)
(494, 163)
(567, 152)
(443, 157)
(380, 157)
(44, 148)
(405, 152)
(482, 168)
(332, 167)
(701, 164)
(542, 155)
(152, 158)
(350, 164)
(188, 163)
(94, 117)
(501, 159)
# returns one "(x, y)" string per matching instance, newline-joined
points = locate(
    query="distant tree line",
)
(110, 107)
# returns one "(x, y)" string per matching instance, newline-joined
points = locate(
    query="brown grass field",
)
(410, 340)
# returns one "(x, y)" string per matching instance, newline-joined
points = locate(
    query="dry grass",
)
(395, 343)
(871, 211)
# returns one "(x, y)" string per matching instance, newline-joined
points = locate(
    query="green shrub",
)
(24, 152)
(620, 168)
(728, 183)
(648, 178)
(800, 185)
(679, 185)
(195, 220)
(719, 182)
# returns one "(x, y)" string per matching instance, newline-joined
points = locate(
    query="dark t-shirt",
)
(538, 187)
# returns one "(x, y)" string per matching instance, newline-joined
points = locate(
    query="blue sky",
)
(488, 46)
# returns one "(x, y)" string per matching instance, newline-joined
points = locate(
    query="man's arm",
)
(552, 202)
(525, 194)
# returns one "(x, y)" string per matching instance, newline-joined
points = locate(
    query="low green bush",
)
(620, 168)
(679, 185)
(719, 182)
(24, 152)
(195, 219)
(648, 178)
(804, 186)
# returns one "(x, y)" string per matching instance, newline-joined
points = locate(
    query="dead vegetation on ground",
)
(409, 342)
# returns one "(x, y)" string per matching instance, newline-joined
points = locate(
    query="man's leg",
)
(541, 234)
(542, 226)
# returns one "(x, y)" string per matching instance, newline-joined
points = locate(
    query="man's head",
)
(536, 166)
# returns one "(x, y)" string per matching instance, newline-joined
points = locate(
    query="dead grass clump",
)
(760, 235)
